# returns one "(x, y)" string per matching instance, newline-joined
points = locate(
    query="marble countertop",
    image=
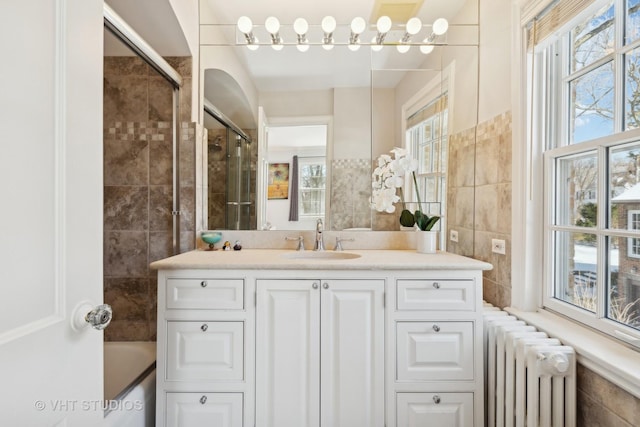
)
(279, 259)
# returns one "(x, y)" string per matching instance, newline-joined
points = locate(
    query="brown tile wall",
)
(600, 403)
(492, 213)
(138, 192)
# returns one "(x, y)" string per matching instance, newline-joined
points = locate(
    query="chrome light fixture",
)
(383, 26)
(357, 27)
(246, 27)
(439, 27)
(328, 27)
(357, 31)
(413, 27)
(300, 26)
(272, 25)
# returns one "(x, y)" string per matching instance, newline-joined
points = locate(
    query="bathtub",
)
(130, 384)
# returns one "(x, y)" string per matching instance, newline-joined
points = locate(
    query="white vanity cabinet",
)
(256, 339)
(206, 340)
(320, 353)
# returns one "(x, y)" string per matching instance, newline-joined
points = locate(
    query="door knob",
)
(85, 314)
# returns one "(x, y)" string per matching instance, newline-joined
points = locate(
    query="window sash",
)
(554, 125)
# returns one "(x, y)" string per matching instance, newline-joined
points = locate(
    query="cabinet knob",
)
(436, 328)
(436, 399)
(204, 327)
(204, 283)
(203, 399)
(436, 285)
(325, 285)
(315, 285)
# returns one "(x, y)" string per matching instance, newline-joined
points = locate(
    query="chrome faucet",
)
(319, 245)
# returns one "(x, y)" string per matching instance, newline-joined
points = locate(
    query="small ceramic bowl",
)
(211, 238)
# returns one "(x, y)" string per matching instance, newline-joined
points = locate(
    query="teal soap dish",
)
(211, 238)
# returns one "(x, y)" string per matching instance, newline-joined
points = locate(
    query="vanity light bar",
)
(355, 29)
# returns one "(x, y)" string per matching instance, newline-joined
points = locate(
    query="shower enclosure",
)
(231, 197)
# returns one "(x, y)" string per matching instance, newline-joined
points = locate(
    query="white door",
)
(51, 215)
(287, 353)
(352, 355)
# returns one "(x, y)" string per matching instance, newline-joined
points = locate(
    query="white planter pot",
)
(426, 241)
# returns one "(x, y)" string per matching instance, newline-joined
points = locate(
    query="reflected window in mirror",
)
(426, 138)
(312, 181)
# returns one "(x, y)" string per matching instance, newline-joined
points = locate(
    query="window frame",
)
(554, 123)
(311, 160)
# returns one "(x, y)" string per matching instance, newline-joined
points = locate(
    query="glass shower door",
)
(239, 204)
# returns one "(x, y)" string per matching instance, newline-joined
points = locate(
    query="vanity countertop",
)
(278, 259)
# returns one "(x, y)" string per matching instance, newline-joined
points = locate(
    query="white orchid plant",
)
(388, 178)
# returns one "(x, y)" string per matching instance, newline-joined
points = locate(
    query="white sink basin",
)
(322, 255)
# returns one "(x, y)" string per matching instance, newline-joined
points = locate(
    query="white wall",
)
(495, 58)
(186, 12)
(352, 123)
(297, 104)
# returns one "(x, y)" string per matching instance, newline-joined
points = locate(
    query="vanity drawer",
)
(456, 295)
(205, 351)
(204, 409)
(434, 409)
(217, 294)
(433, 351)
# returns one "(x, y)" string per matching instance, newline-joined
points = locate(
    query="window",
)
(312, 178)
(589, 94)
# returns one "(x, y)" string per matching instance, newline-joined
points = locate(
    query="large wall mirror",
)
(356, 105)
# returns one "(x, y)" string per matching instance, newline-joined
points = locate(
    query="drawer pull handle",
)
(325, 285)
(204, 327)
(436, 285)
(203, 399)
(436, 399)
(204, 283)
(315, 285)
(436, 328)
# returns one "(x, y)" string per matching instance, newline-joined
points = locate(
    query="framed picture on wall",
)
(278, 187)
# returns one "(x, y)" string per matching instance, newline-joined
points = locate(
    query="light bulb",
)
(354, 47)
(245, 25)
(374, 45)
(300, 26)
(403, 48)
(384, 24)
(414, 25)
(277, 47)
(327, 46)
(358, 25)
(427, 49)
(303, 47)
(328, 24)
(440, 26)
(272, 25)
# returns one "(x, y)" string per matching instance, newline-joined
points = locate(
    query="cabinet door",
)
(287, 353)
(204, 409)
(435, 409)
(352, 353)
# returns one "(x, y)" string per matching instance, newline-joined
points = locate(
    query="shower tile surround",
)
(138, 192)
(350, 192)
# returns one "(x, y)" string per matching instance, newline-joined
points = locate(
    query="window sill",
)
(601, 354)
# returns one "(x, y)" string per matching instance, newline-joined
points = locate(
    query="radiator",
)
(530, 379)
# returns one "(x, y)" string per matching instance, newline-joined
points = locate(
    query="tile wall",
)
(138, 191)
(350, 193)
